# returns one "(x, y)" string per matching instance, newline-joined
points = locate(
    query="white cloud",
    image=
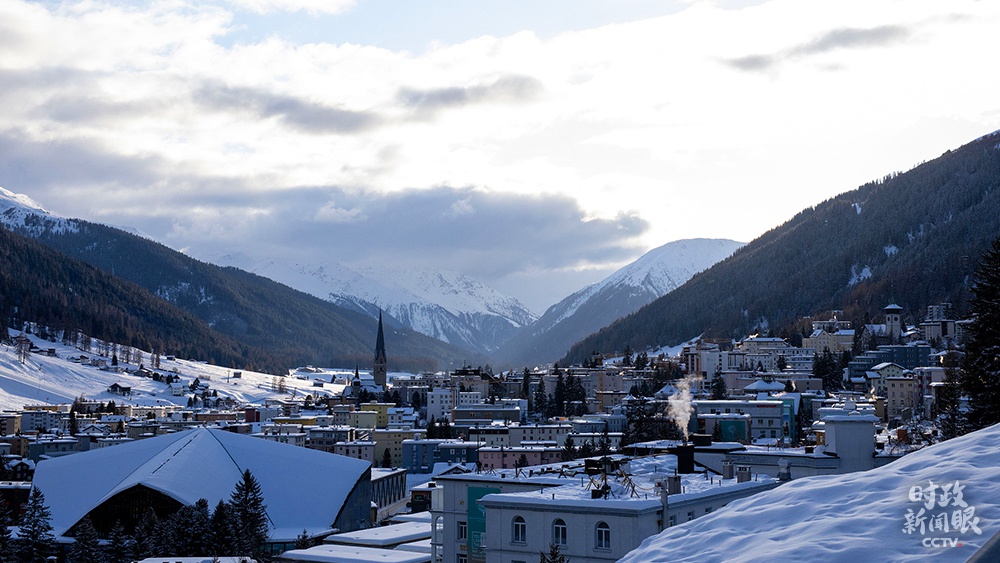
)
(332, 214)
(706, 122)
(309, 6)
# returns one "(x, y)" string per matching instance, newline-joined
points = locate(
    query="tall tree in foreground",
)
(981, 368)
(249, 516)
(35, 541)
(950, 418)
(221, 526)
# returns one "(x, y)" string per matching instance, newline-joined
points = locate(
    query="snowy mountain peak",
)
(456, 292)
(9, 200)
(449, 306)
(624, 292)
(25, 216)
(655, 273)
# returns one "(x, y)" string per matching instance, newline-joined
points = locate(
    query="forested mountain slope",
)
(912, 238)
(255, 311)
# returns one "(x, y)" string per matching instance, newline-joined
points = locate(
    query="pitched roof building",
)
(303, 489)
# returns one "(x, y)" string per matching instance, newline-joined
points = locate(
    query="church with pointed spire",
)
(381, 365)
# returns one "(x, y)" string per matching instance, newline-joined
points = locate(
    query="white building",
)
(509, 516)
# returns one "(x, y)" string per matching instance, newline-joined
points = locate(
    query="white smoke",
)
(679, 404)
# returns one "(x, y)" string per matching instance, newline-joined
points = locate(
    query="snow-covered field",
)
(42, 379)
(938, 504)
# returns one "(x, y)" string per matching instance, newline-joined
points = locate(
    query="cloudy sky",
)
(536, 146)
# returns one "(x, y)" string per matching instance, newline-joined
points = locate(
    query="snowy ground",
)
(884, 514)
(53, 380)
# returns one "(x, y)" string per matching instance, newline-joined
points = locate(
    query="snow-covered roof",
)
(761, 385)
(383, 536)
(852, 517)
(352, 554)
(575, 495)
(303, 488)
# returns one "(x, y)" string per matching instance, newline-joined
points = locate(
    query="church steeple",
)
(380, 362)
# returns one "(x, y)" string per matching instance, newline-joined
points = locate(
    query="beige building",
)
(835, 342)
(381, 411)
(901, 396)
(392, 440)
(10, 423)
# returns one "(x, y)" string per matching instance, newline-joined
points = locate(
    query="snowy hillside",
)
(43, 379)
(449, 306)
(652, 276)
(884, 514)
(22, 214)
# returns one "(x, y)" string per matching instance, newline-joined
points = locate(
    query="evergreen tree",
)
(432, 430)
(303, 541)
(577, 395)
(586, 450)
(86, 548)
(386, 458)
(641, 361)
(192, 535)
(165, 536)
(560, 396)
(249, 516)
(569, 450)
(221, 530)
(525, 385)
(119, 548)
(551, 409)
(826, 368)
(951, 421)
(553, 556)
(718, 387)
(6, 542)
(444, 429)
(540, 402)
(604, 446)
(980, 376)
(145, 536)
(35, 541)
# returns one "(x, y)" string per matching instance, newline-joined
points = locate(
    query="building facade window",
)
(603, 536)
(519, 530)
(463, 531)
(559, 532)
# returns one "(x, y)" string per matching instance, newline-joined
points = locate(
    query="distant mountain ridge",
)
(448, 306)
(252, 309)
(653, 275)
(911, 238)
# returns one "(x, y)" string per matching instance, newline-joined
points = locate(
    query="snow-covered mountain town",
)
(609, 460)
